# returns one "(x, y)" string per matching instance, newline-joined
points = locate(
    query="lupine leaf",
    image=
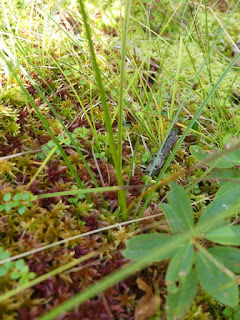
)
(216, 283)
(220, 208)
(228, 161)
(228, 256)
(229, 235)
(179, 268)
(179, 211)
(178, 303)
(143, 245)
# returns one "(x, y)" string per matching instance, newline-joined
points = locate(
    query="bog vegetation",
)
(119, 159)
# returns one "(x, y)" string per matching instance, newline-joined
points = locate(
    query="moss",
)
(13, 95)
(8, 170)
(8, 120)
(146, 111)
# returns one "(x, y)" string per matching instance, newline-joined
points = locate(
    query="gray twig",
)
(157, 164)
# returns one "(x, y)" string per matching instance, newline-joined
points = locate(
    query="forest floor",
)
(60, 132)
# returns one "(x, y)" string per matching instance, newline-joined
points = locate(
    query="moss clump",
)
(8, 121)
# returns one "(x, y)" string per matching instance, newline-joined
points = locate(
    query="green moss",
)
(53, 219)
(8, 120)
(13, 95)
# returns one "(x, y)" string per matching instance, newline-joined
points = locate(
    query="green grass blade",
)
(45, 276)
(107, 118)
(220, 32)
(43, 120)
(121, 96)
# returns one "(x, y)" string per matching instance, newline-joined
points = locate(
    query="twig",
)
(158, 160)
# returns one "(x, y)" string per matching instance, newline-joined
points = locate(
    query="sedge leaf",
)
(228, 256)
(178, 303)
(216, 283)
(142, 245)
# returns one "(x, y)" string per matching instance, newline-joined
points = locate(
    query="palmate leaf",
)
(179, 268)
(228, 256)
(178, 303)
(216, 283)
(178, 211)
(229, 235)
(142, 245)
(222, 207)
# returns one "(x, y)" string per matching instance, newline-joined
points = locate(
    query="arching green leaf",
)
(179, 268)
(226, 235)
(178, 303)
(216, 283)
(142, 245)
(228, 256)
